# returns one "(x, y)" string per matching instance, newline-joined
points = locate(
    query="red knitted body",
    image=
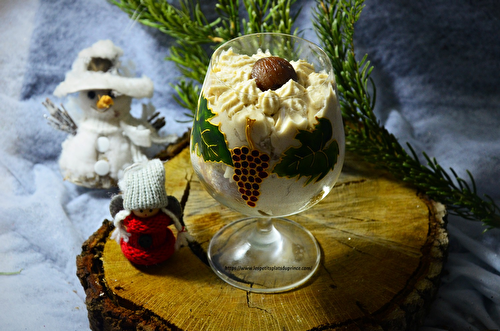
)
(154, 232)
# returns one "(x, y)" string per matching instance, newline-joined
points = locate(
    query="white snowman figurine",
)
(107, 138)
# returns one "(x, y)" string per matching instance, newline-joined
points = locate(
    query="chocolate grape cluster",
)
(250, 169)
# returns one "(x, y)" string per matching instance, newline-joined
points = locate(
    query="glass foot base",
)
(264, 255)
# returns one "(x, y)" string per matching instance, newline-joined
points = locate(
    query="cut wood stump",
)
(383, 245)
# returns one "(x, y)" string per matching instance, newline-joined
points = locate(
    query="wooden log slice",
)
(383, 248)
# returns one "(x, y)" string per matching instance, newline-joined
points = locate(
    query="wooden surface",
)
(383, 248)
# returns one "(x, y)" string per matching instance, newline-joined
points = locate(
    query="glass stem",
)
(265, 225)
(264, 234)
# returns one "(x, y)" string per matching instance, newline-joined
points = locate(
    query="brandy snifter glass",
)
(267, 153)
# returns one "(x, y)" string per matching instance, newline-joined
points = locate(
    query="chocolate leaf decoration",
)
(207, 137)
(314, 158)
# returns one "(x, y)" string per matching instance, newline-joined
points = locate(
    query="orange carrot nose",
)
(104, 102)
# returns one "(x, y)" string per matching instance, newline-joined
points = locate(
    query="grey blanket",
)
(437, 67)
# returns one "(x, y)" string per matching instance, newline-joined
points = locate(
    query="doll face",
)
(104, 104)
(144, 213)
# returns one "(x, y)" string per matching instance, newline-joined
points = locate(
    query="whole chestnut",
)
(270, 73)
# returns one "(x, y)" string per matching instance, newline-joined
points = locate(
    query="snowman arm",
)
(171, 138)
(157, 139)
(150, 115)
(139, 135)
(59, 119)
(157, 122)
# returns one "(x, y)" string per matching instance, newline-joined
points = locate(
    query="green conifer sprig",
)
(197, 37)
(334, 20)
(334, 23)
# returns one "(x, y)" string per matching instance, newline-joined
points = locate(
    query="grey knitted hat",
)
(143, 186)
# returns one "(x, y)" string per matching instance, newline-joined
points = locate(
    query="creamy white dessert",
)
(268, 121)
(234, 97)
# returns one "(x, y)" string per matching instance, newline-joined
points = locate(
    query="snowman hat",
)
(143, 186)
(98, 68)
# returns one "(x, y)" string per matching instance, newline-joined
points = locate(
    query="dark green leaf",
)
(207, 140)
(314, 158)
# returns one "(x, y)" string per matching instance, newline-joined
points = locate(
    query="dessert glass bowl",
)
(267, 154)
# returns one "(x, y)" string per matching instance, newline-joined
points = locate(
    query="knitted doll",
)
(142, 214)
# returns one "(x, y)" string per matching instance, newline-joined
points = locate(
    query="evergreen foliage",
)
(334, 21)
(334, 24)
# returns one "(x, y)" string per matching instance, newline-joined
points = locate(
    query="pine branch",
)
(191, 60)
(187, 95)
(230, 26)
(186, 22)
(10, 273)
(197, 37)
(334, 25)
(269, 16)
